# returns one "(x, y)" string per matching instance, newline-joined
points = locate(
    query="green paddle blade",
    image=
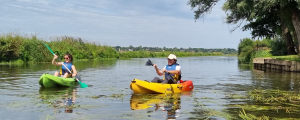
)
(83, 85)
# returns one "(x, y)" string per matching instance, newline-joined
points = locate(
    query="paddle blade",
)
(83, 85)
(149, 63)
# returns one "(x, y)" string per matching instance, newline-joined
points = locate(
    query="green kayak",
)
(48, 81)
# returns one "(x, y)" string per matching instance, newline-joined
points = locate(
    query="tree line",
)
(175, 49)
(28, 48)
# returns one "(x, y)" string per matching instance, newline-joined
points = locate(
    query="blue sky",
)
(151, 23)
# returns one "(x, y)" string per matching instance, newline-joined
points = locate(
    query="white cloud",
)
(148, 23)
(45, 2)
(29, 8)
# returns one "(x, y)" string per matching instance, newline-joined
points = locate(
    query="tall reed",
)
(29, 48)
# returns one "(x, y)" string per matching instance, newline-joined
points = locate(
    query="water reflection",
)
(27, 74)
(244, 67)
(59, 98)
(167, 103)
(9, 70)
(215, 79)
(266, 95)
(273, 79)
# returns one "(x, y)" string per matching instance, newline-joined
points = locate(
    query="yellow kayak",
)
(145, 87)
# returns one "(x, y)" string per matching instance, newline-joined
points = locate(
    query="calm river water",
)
(110, 97)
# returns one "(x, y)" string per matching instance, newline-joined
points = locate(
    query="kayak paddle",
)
(149, 63)
(82, 85)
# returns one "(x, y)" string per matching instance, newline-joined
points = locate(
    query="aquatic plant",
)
(266, 103)
(246, 116)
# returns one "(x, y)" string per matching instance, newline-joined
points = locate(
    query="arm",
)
(56, 63)
(74, 71)
(160, 73)
(173, 71)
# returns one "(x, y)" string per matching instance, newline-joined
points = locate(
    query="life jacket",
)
(64, 70)
(168, 76)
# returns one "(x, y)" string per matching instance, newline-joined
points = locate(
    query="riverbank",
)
(16, 48)
(281, 63)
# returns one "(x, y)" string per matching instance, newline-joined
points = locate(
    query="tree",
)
(263, 21)
(266, 18)
(131, 47)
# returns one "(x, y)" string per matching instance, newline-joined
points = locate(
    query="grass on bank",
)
(16, 48)
(288, 57)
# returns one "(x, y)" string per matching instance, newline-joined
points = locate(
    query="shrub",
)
(245, 49)
(278, 47)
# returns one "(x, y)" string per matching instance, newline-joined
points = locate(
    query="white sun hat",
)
(172, 56)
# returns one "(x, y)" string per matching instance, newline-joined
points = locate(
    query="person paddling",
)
(171, 72)
(64, 68)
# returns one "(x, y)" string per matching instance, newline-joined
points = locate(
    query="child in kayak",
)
(67, 68)
(171, 72)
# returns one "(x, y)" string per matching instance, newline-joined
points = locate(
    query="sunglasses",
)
(66, 58)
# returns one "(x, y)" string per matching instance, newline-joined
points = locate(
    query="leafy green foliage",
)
(262, 53)
(9, 45)
(265, 18)
(245, 49)
(33, 50)
(266, 43)
(202, 6)
(249, 49)
(82, 50)
(14, 47)
(278, 47)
